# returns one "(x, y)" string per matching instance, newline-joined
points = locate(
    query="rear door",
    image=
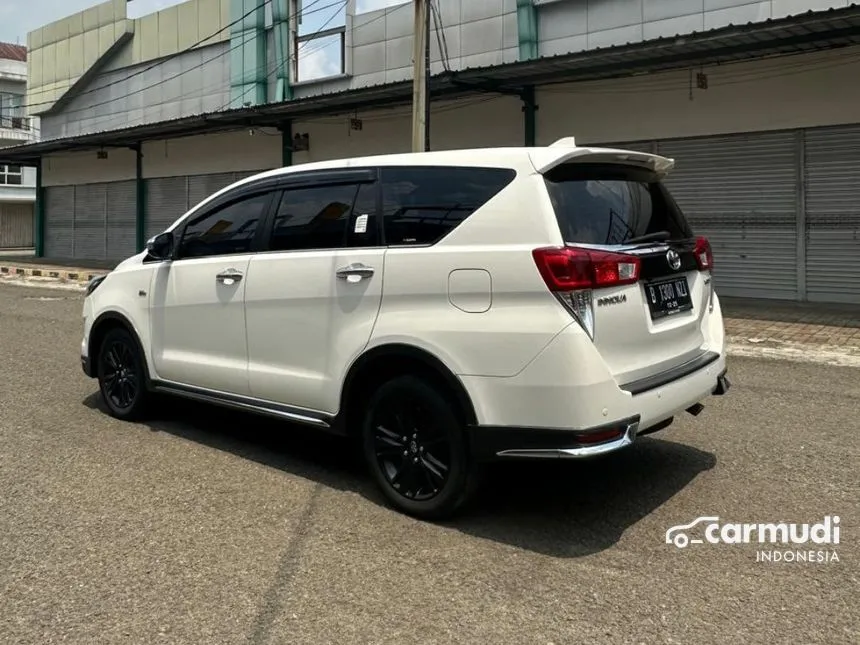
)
(313, 296)
(654, 324)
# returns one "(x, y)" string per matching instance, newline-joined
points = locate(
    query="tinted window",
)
(423, 204)
(597, 204)
(364, 227)
(313, 218)
(225, 231)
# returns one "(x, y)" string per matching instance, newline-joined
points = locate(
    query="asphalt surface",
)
(211, 527)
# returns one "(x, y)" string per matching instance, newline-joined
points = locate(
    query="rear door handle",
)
(229, 276)
(354, 272)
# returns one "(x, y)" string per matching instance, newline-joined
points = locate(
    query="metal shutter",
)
(741, 192)
(166, 201)
(90, 221)
(59, 221)
(121, 219)
(16, 226)
(202, 186)
(832, 164)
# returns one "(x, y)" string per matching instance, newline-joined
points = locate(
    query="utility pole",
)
(420, 78)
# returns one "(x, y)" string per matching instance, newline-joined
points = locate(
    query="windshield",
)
(613, 204)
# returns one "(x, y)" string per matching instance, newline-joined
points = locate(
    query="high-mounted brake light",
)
(704, 255)
(570, 269)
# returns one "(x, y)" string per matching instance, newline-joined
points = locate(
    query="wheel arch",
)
(381, 363)
(101, 326)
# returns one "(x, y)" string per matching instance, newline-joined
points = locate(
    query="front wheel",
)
(122, 376)
(415, 447)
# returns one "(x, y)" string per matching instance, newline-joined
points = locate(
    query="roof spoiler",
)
(565, 150)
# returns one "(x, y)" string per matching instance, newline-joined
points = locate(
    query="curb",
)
(65, 275)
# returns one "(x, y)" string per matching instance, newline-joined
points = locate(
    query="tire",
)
(122, 376)
(414, 444)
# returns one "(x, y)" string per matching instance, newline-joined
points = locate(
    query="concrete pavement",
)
(204, 526)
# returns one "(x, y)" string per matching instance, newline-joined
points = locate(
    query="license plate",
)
(668, 297)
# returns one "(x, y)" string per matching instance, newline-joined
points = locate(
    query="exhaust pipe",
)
(696, 409)
(723, 385)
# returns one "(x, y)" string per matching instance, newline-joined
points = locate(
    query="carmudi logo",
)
(710, 530)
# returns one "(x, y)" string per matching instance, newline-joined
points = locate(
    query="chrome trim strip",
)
(581, 452)
(243, 403)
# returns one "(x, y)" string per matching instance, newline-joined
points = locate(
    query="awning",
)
(812, 31)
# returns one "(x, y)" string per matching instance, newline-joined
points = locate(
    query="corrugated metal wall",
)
(16, 226)
(168, 198)
(832, 168)
(92, 221)
(741, 192)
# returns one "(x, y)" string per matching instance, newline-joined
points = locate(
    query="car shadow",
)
(552, 507)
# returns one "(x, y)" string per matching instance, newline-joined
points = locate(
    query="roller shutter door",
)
(168, 198)
(121, 240)
(60, 221)
(166, 201)
(91, 221)
(741, 192)
(16, 226)
(832, 168)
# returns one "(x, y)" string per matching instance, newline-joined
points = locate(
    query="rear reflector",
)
(570, 269)
(704, 256)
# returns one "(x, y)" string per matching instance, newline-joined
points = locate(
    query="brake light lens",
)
(704, 255)
(570, 269)
(572, 273)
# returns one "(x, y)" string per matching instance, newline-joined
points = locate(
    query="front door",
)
(198, 299)
(314, 294)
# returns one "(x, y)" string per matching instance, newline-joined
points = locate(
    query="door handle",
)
(354, 272)
(229, 276)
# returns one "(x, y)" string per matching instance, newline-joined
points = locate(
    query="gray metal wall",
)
(168, 198)
(16, 225)
(92, 221)
(781, 209)
(187, 84)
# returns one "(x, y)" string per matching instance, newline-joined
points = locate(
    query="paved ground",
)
(208, 527)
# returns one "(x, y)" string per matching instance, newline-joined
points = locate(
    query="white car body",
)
(287, 337)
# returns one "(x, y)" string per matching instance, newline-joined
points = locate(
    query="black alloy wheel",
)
(122, 379)
(414, 445)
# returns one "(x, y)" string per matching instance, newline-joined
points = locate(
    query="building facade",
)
(142, 118)
(17, 182)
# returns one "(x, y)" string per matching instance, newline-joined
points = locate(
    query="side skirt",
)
(312, 418)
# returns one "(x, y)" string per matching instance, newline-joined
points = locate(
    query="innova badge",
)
(673, 259)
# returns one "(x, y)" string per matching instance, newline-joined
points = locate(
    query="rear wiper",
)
(658, 236)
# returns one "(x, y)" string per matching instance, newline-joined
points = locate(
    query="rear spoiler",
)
(566, 150)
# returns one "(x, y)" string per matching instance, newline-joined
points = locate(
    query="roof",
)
(811, 31)
(8, 51)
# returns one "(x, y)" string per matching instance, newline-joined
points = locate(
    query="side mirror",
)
(160, 247)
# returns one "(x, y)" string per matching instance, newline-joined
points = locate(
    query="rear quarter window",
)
(422, 204)
(612, 204)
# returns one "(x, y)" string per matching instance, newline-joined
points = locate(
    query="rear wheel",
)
(121, 375)
(415, 447)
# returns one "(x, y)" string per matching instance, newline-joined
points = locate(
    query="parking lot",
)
(209, 527)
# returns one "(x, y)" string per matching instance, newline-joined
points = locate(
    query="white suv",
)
(447, 308)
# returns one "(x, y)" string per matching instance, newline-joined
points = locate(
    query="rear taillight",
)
(567, 269)
(572, 273)
(704, 256)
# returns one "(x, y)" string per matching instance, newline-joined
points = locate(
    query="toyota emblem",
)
(673, 259)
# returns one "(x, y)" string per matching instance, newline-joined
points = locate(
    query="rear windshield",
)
(612, 204)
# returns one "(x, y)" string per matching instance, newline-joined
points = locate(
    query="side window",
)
(313, 218)
(364, 226)
(422, 204)
(226, 231)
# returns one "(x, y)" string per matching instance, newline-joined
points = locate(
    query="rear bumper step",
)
(640, 386)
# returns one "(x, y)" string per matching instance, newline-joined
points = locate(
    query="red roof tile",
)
(9, 51)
